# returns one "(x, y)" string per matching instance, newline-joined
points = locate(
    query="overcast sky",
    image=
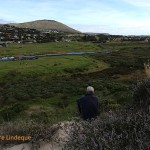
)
(126, 17)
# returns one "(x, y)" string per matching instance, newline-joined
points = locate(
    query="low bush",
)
(119, 131)
(141, 95)
(9, 113)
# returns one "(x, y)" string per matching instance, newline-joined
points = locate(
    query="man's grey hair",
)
(90, 89)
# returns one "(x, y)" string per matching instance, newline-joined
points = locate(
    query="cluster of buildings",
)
(9, 34)
(15, 34)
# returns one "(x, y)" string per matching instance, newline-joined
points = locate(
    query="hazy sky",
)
(127, 17)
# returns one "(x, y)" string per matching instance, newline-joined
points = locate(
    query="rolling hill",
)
(46, 25)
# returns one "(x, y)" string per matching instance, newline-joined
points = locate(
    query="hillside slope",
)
(46, 25)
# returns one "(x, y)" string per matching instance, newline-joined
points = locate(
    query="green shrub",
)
(8, 113)
(63, 102)
(108, 105)
(41, 117)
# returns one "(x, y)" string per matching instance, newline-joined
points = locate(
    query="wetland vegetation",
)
(45, 90)
(48, 85)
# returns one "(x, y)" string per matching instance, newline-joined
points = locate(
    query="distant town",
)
(12, 34)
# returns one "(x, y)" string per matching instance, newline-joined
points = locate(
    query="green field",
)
(45, 48)
(53, 65)
(45, 90)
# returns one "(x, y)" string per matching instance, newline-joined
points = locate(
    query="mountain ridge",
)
(46, 26)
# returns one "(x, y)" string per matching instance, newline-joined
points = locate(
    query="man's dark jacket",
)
(88, 106)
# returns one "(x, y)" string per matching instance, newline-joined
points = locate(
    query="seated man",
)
(88, 105)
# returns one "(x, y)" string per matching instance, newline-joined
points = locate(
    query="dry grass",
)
(147, 68)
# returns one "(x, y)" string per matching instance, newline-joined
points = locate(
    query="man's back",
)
(88, 106)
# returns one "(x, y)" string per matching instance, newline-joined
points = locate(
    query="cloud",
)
(142, 23)
(96, 15)
(138, 3)
(118, 30)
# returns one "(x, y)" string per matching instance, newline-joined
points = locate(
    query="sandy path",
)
(53, 145)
